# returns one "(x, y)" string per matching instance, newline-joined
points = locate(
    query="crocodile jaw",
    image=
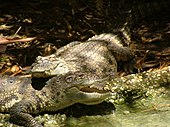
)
(48, 73)
(88, 97)
(93, 98)
(48, 66)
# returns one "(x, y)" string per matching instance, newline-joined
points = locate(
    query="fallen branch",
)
(7, 41)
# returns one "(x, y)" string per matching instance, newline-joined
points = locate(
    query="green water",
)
(150, 113)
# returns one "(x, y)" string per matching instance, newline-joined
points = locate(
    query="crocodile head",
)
(48, 66)
(85, 88)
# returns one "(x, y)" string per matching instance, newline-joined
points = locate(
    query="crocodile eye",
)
(11, 81)
(69, 78)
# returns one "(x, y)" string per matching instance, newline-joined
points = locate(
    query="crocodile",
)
(99, 53)
(21, 100)
(94, 55)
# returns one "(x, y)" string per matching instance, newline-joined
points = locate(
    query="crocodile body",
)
(99, 53)
(91, 55)
(12, 90)
(20, 99)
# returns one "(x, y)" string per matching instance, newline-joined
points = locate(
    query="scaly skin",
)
(93, 55)
(20, 99)
(12, 90)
